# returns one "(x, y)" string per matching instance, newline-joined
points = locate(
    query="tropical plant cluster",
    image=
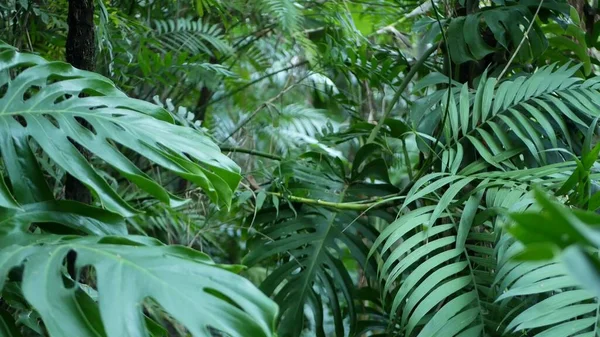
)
(298, 168)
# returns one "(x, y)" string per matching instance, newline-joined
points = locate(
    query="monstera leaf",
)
(96, 281)
(198, 293)
(52, 105)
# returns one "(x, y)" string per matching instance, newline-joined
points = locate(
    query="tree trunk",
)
(81, 53)
(81, 40)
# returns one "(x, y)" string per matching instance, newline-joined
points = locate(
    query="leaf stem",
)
(403, 85)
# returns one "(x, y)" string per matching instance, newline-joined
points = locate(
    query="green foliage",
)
(387, 172)
(567, 308)
(311, 244)
(285, 12)
(192, 36)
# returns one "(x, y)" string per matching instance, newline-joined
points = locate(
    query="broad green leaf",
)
(466, 219)
(443, 317)
(479, 49)
(569, 328)
(434, 298)
(49, 111)
(547, 307)
(584, 267)
(184, 282)
(456, 42)
(486, 99)
(447, 198)
(429, 285)
(415, 277)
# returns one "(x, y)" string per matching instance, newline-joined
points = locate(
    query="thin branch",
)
(522, 40)
(245, 86)
(252, 152)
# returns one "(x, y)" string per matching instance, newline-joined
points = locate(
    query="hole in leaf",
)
(89, 92)
(16, 274)
(86, 276)
(3, 89)
(98, 107)
(69, 262)
(159, 318)
(221, 296)
(31, 91)
(21, 120)
(118, 126)
(86, 125)
(52, 120)
(53, 79)
(62, 98)
(56, 228)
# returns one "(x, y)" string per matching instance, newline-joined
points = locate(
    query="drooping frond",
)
(294, 126)
(527, 115)
(553, 302)
(438, 273)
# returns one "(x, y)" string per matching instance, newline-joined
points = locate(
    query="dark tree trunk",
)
(81, 40)
(81, 53)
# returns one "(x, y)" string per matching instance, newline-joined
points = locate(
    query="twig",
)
(252, 152)
(522, 40)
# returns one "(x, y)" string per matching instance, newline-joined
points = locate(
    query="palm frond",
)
(530, 115)
(554, 302)
(310, 244)
(439, 260)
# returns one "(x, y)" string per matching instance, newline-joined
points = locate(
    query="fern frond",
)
(293, 127)
(434, 274)
(192, 36)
